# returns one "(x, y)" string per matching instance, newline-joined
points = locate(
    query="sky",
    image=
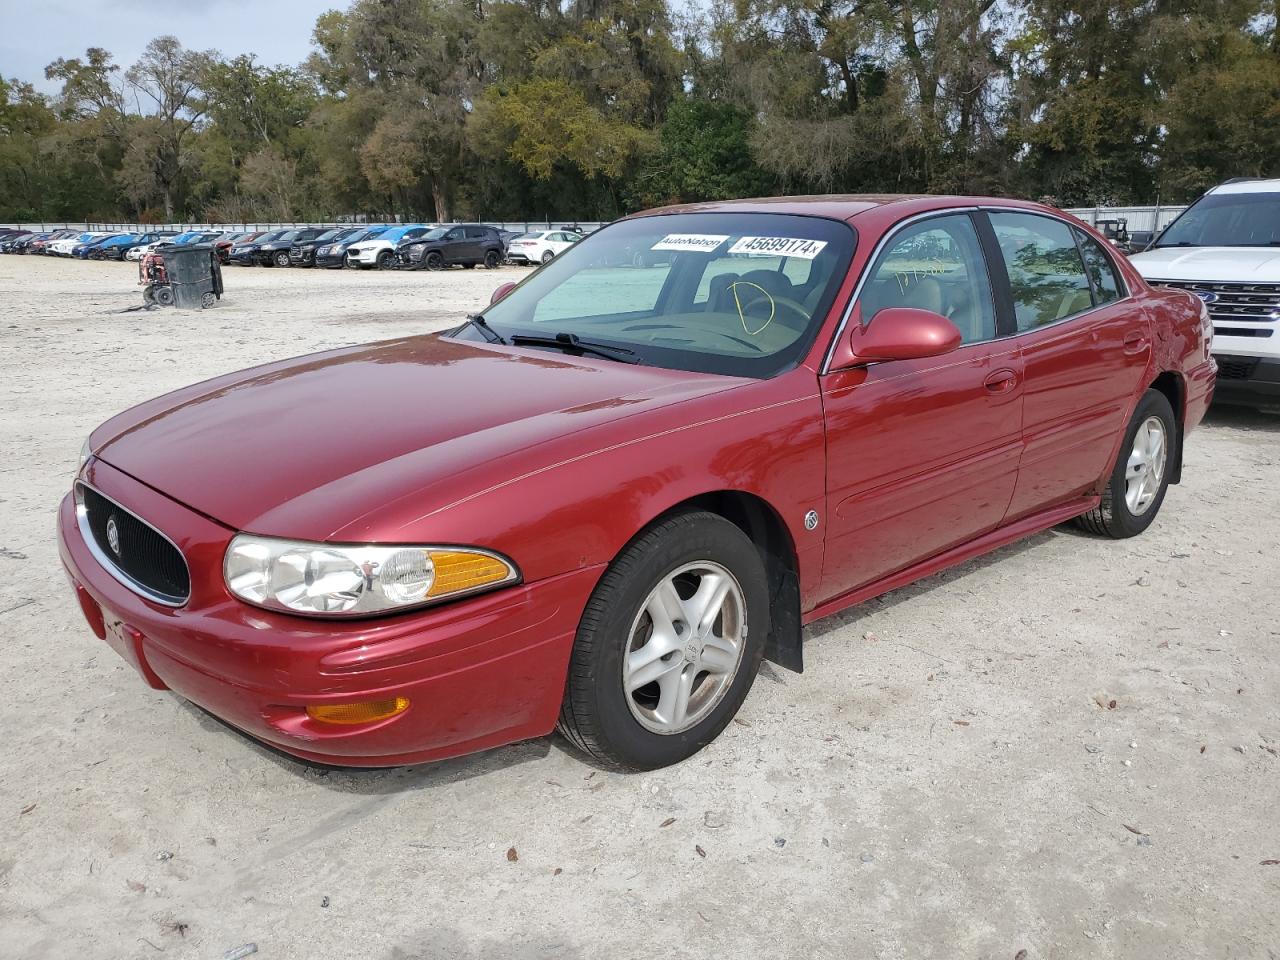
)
(34, 33)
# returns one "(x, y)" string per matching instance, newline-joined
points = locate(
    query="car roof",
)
(842, 206)
(1245, 185)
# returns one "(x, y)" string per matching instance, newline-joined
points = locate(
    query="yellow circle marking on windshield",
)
(773, 307)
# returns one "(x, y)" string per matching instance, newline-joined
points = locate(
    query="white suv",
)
(1225, 248)
(380, 252)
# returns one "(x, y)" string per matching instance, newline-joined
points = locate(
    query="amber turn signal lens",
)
(365, 712)
(458, 571)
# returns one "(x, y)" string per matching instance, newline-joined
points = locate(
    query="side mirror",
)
(503, 290)
(904, 333)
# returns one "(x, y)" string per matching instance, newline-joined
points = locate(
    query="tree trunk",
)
(440, 200)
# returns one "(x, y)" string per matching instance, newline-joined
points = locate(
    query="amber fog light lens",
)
(458, 572)
(364, 712)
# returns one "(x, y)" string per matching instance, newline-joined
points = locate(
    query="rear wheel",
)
(1140, 477)
(491, 260)
(669, 644)
(546, 257)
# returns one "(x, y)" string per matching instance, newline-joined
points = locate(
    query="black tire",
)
(546, 257)
(1112, 517)
(433, 260)
(595, 716)
(492, 259)
(164, 296)
(384, 259)
(207, 300)
(282, 258)
(149, 296)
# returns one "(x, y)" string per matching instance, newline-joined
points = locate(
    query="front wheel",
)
(433, 260)
(1140, 477)
(669, 644)
(384, 260)
(282, 258)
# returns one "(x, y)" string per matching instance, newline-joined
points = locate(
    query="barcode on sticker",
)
(779, 247)
(697, 242)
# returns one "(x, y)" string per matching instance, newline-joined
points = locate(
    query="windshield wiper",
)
(571, 341)
(478, 321)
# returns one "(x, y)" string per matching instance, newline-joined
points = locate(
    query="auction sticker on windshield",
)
(779, 247)
(699, 242)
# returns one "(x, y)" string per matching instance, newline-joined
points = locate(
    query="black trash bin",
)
(192, 277)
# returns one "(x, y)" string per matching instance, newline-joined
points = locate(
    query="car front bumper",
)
(1248, 380)
(478, 673)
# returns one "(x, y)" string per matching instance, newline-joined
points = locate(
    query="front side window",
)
(935, 265)
(1106, 285)
(1046, 276)
(735, 293)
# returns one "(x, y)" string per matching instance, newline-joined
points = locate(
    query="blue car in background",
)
(114, 248)
(82, 251)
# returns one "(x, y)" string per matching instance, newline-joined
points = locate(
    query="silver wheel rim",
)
(684, 648)
(1144, 470)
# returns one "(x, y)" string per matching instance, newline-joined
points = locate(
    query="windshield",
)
(289, 235)
(1227, 220)
(435, 234)
(735, 293)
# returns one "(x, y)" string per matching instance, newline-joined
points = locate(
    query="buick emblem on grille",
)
(113, 535)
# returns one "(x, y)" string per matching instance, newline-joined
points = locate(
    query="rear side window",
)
(935, 265)
(1106, 286)
(1046, 276)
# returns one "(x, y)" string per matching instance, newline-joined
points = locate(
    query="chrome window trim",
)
(107, 564)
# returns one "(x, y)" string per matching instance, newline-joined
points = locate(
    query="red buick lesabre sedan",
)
(601, 503)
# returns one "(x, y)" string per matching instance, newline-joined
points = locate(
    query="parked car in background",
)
(380, 251)
(86, 251)
(64, 246)
(333, 255)
(467, 244)
(600, 505)
(539, 246)
(41, 246)
(9, 237)
(222, 246)
(245, 253)
(1225, 248)
(303, 252)
(119, 247)
(275, 252)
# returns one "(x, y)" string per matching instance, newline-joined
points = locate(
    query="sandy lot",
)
(941, 783)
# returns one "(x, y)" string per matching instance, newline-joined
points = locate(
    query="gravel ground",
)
(949, 779)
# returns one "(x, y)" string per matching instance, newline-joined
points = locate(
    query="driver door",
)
(922, 455)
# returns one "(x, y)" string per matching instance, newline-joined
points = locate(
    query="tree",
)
(167, 78)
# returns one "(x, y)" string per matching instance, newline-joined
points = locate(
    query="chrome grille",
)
(131, 550)
(1234, 303)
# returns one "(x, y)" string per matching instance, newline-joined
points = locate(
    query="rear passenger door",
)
(922, 455)
(1085, 347)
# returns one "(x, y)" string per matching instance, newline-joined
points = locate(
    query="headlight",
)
(356, 580)
(85, 453)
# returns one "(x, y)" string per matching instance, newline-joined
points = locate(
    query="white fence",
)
(1140, 218)
(1155, 217)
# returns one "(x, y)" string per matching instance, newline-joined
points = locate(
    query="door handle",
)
(1002, 381)
(1134, 342)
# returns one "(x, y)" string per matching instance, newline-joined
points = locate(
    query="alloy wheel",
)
(685, 647)
(1144, 471)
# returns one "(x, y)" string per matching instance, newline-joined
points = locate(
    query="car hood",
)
(303, 447)
(1217, 264)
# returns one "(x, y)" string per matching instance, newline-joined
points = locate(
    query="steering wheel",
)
(752, 294)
